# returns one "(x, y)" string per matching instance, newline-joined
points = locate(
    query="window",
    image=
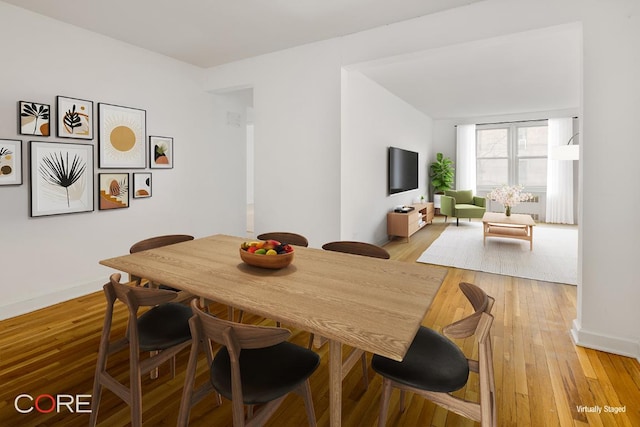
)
(512, 153)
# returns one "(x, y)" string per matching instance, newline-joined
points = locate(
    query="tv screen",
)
(403, 170)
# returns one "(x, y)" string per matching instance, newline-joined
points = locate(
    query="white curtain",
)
(466, 158)
(559, 175)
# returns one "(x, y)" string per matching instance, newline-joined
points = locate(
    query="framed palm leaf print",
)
(61, 178)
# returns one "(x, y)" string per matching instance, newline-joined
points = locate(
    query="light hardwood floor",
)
(541, 376)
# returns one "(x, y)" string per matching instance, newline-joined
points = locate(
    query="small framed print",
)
(122, 136)
(61, 178)
(10, 162)
(75, 118)
(160, 152)
(33, 118)
(113, 191)
(141, 185)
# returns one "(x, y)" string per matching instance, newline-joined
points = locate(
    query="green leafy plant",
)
(441, 174)
(56, 170)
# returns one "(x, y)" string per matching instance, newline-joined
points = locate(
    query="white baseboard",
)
(41, 301)
(615, 345)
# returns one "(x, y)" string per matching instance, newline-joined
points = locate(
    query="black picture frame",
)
(10, 162)
(142, 185)
(61, 178)
(34, 118)
(113, 190)
(122, 135)
(75, 118)
(160, 152)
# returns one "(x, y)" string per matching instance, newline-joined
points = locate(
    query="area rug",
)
(554, 257)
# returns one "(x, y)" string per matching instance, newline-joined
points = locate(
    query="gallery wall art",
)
(75, 118)
(141, 185)
(122, 136)
(10, 162)
(113, 191)
(160, 152)
(61, 178)
(33, 118)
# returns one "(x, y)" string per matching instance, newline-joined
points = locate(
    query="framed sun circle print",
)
(61, 178)
(160, 152)
(10, 162)
(122, 135)
(75, 118)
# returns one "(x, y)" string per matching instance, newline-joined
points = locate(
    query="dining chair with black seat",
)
(285, 237)
(255, 365)
(435, 367)
(163, 330)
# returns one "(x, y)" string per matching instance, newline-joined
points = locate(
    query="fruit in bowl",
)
(266, 254)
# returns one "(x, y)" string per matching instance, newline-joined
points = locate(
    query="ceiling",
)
(538, 71)
(213, 32)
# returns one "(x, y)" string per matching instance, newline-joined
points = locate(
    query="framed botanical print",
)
(122, 136)
(160, 152)
(75, 118)
(141, 185)
(10, 162)
(33, 118)
(113, 191)
(61, 178)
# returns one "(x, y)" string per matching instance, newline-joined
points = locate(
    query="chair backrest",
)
(468, 326)
(285, 237)
(133, 298)
(479, 324)
(159, 241)
(357, 248)
(235, 337)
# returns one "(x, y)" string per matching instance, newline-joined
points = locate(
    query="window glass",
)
(492, 172)
(492, 143)
(532, 172)
(532, 141)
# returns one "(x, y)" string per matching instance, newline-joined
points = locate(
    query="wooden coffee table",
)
(515, 226)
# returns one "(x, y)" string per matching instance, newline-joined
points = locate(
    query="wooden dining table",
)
(368, 303)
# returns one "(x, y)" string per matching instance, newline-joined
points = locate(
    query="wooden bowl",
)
(266, 261)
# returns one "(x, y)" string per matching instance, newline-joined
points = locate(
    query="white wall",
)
(296, 137)
(297, 104)
(374, 119)
(49, 259)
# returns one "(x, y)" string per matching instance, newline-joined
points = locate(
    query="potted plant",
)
(441, 177)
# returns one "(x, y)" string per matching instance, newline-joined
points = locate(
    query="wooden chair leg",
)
(305, 390)
(384, 402)
(365, 375)
(402, 400)
(135, 398)
(311, 337)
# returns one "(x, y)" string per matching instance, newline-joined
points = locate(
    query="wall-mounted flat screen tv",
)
(403, 170)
